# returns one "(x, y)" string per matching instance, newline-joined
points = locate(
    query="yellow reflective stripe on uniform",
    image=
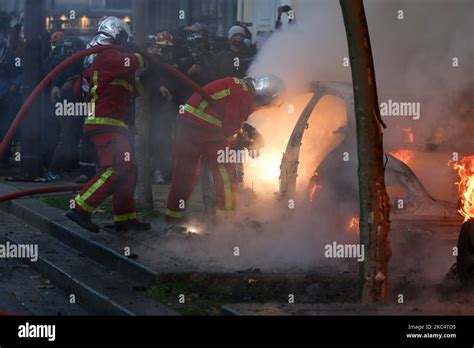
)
(202, 115)
(95, 186)
(175, 214)
(199, 112)
(221, 94)
(122, 83)
(125, 217)
(140, 59)
(105, 121)
(216, 96)
(227, 189)
(203, 105)
(95, 85)
(80, 202)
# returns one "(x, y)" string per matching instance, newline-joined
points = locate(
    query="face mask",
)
(166, 55)
(238, 44)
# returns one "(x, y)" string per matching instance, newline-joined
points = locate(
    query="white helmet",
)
(112, 30)
(266, 89)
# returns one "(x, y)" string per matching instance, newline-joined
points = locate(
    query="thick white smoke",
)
(411, 55)
(311, 50)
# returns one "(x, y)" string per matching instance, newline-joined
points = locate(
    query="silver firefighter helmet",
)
(266, 89)
(112, 30)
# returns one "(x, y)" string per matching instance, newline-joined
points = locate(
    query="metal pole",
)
(31, 163)
(142, 114)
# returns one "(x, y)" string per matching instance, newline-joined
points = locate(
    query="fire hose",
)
(37, 191)
(47, 79)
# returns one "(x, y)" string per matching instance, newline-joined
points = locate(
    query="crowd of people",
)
(190, 49)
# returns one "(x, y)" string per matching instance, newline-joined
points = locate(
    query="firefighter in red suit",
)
(202, 132)
(110, 76)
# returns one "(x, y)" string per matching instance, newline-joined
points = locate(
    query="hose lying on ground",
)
(36, 191)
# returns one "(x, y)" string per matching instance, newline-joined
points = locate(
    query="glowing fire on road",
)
(465, 169)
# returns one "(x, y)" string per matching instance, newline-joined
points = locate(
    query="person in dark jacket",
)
(236, 59)
(198, 64)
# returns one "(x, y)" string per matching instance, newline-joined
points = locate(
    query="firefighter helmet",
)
(164, 38)
(113, 30)
(266, 89)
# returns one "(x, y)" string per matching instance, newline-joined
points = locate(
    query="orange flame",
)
(465, 169)
(353, 225)
(403, 155)
(409, 133)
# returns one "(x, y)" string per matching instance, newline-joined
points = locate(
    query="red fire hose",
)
(37, 191)
(42, 85)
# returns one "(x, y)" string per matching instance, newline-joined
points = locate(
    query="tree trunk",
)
(374, 201)
(142, 115)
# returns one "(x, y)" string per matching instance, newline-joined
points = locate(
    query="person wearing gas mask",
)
(235, 60)
(110, 79)
(199, 64)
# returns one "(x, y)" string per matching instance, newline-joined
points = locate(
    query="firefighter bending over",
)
(203, 132)
(111, 78)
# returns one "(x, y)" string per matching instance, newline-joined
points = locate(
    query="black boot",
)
(136, 227)
(82, 221)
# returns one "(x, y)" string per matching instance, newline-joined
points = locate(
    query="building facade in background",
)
(217, 15)
(15, 6)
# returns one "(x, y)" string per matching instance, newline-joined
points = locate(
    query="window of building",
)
(118, 4)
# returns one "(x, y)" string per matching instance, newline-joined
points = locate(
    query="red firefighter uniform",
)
(112, 87)
(203, 132)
